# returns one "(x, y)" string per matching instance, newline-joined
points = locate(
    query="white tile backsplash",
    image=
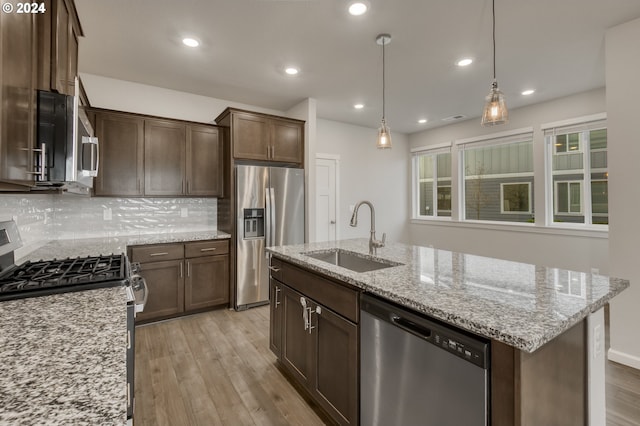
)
(48, 217)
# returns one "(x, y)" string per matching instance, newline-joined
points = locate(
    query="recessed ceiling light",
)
(528, 92)
(422, 120)
(464, 62)
(191, 42)
(358, 106)
(292, 70)
(358, 8)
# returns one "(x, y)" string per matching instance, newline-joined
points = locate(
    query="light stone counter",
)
(522, 305)
(63, 359)
(96, 246)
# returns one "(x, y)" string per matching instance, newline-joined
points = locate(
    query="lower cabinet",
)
(183, 278)
(317, 346)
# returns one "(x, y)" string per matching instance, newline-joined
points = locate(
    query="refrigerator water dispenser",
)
(253, 223)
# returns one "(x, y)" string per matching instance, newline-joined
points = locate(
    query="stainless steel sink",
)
(352, 261)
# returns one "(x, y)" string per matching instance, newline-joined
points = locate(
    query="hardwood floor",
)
(216, 368)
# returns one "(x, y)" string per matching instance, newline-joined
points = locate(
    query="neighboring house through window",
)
(432, 180)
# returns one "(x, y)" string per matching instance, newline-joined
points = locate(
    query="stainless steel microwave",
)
(67, 149)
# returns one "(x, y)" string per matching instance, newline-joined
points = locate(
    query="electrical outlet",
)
(107, 214)
(184, 212)
(597, 341)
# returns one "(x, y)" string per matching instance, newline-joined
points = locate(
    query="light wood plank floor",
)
(216, 368)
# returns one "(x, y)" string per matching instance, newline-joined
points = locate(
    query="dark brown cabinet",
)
(164, 154)
(314, 341)
(121, 165)
(183, 278)
(58, 33)
(17, 97)
(263, 137)
(145, 156)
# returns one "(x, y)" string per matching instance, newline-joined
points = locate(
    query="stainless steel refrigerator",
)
(270, 212)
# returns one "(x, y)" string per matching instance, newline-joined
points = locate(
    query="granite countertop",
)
(522, 305)
(97, 246)
(63, 359)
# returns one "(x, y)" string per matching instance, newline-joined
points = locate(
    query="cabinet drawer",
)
(335, 296)
(275, 269)
(206, 248)
(157, 253)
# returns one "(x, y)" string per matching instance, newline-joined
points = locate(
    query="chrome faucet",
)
(373, 243)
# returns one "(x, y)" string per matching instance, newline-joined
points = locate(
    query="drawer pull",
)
(209, 249)
(164, 253)
(274, 269)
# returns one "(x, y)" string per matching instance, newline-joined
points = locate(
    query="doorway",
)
(327, 170)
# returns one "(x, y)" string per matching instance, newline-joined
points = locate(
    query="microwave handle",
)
(97, 163)
(94, 158)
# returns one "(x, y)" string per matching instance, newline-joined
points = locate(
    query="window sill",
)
(574, 231)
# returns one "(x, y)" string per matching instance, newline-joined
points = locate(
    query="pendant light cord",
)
(493, 15)
(383, 79)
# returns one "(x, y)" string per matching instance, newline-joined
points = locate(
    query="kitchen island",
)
(534, 316)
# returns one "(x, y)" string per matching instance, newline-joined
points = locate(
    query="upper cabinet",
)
(148, 156)
(17, 97)
(264, 137)
(58, 32)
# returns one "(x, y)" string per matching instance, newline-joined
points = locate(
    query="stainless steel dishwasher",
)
(419, 371)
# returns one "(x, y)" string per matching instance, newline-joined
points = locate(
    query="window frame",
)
(433, 151)
(583, 126)
(557, 204)
(502, 185)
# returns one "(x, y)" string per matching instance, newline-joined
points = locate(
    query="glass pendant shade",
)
(384, 136)
(495, 108)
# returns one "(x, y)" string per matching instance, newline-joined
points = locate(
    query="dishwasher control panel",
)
(459, 348)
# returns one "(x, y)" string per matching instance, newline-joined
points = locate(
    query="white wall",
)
(120, 95)
(571, 250)
(623, 93)
(367, 173)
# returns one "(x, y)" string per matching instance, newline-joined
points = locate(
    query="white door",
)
(326, 195)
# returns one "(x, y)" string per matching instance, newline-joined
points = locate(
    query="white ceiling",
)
(553, 46)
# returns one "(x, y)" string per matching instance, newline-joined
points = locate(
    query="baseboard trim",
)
(624, 358)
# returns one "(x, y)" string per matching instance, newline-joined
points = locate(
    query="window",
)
(578, 173)
(515, 197)
(497, 178)
(433, 178)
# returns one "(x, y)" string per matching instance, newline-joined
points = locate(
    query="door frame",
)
(336, 159)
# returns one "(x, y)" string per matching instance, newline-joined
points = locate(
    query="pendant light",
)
(384, 135)
(495, 108)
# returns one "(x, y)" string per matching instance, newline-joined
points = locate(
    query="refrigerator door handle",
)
(267, 213)
(272, 224)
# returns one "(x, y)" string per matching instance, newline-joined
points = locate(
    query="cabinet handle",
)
(274, 269)
(305, 313)
(188, 269)
(164, 253)
(317, 310)
(209, 249)
(278, 290)
(181, 270)
(188, 190)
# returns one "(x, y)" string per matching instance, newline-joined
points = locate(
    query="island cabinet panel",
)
(545, 387)
(121, 166)
(164, 158)
(198, 281)
(315, 342)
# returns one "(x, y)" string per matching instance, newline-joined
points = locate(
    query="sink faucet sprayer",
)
(373, 243)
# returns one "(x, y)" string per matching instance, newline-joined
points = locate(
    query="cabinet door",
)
(275, 316)
(250, 137)
(335, 383)
(121, 139)
(165, 281)
(72, 58)
(207, 282)
(204, 161)
(17, 97)
(287, 140)
(164, 152)
(60, 47)
(296, 341)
